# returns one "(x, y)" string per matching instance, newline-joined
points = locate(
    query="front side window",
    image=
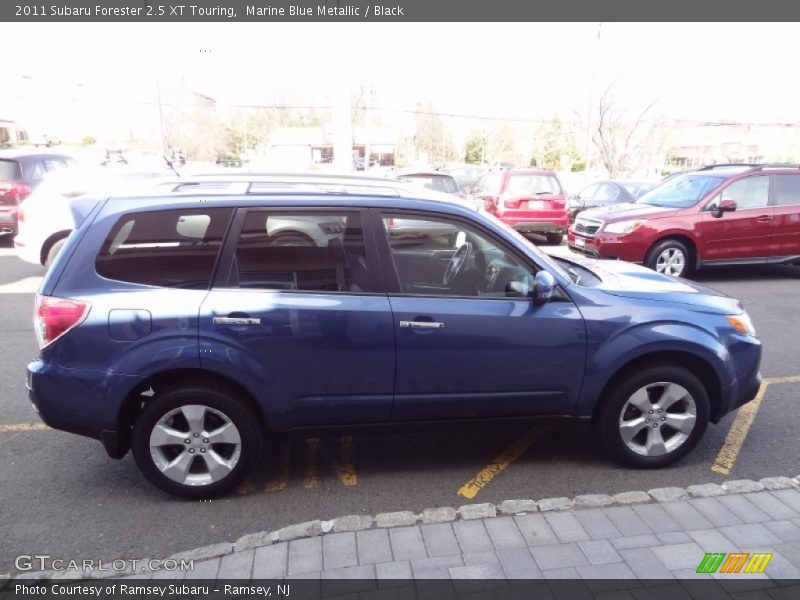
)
(440, 257)
(168, 248)
(303, 251)
(750, 192)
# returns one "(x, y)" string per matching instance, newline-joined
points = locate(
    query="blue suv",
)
(191, 323)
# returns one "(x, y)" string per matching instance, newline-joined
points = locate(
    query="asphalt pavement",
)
(61, 495)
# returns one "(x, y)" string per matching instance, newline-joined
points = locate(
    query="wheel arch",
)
(138, 396)
(693, 363)
(685, 239)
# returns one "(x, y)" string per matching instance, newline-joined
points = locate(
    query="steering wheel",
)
(456, 264)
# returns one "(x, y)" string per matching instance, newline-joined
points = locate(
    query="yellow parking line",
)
(284, 461)
(312, 448)
(737, 435)
(23, 427)
(345, 468)
(470, 489)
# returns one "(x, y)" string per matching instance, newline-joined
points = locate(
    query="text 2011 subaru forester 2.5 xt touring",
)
(191, 325)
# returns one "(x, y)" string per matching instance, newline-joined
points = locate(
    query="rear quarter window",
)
(170, 248)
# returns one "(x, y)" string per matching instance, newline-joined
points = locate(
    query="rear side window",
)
(301, 251)
(788, 189)
(169, 248)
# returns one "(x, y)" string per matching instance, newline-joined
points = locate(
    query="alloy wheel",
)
(657, 419)
(195, 445)
(671, 261)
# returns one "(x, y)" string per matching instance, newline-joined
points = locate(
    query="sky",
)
(742, 72)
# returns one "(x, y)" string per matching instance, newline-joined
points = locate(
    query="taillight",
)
(17, 191)
(511, 202)
(53, 317)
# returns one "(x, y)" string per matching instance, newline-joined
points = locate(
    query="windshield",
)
(681, 192)
(439, 183)
(532, 185)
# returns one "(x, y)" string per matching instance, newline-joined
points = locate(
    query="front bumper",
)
(605, 245)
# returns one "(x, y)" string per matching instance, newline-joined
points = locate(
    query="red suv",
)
(717, 215)
(531, 201)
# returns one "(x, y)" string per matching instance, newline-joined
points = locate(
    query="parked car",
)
(603, 193)
(21, 171)
(433, 180)
(44, 219)
(530, 201)
(172, 324)
(717, 215)
(467, 176)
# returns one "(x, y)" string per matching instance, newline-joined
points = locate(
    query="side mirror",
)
(725, 206)
(544, 286)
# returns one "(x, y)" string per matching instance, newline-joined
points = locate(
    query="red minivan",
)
(531, 201)
(717, 215)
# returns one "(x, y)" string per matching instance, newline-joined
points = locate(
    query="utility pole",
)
(343, 128)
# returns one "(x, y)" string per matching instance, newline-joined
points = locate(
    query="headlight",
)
(623, 227)
(742, 323)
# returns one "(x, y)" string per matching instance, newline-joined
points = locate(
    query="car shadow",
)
(746, 272)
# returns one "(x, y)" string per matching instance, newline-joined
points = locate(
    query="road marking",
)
(27, 285)
(470, 489)
(734, 441)
(284, 461)
(312, 448)
(23, 427)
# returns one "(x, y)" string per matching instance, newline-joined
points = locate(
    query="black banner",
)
(154, 11)
(399, 589)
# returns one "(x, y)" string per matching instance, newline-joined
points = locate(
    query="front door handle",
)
(764, 219)
(236, 321)
(421, 325)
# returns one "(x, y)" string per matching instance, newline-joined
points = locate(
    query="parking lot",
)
(63, 496)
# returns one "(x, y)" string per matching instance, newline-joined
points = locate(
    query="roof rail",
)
(724, 165)
(776, 166)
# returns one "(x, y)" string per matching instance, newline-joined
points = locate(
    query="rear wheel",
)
(555, 239)
(670, 257)
(654, 417)
(196, 442)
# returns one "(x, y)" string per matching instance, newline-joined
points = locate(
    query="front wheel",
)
(654, 417)
(196, 442)
(670, 257)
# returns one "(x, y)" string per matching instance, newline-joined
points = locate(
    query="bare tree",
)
(623, 138)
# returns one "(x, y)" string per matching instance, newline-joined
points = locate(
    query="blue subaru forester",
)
(191, 322)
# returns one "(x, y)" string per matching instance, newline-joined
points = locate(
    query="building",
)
(312, 147)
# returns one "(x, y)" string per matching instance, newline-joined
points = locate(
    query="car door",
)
(470, 343)
(786, 228)
(302, 316)
(742, 234)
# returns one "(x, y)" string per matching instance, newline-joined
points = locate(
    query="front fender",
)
(635, 342)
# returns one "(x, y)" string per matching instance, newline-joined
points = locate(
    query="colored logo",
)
(735, 562)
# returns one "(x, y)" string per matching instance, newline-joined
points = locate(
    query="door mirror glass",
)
(544, 286)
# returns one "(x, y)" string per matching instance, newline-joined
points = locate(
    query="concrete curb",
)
(447, 514)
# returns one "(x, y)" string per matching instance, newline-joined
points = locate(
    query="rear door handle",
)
(764, 219)
(236, 321)
(421, 324)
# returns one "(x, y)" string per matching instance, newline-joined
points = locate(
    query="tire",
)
(652, 386)
(221, 408)
(53, 251)
(659, 257)
(555, 239)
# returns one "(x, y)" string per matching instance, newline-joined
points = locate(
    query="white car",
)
(44, 218)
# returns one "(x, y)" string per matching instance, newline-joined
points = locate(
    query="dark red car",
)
(531, 201)
(717, 215)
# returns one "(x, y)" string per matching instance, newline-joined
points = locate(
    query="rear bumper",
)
(8, 223)
(558, 224)
(81, 401)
